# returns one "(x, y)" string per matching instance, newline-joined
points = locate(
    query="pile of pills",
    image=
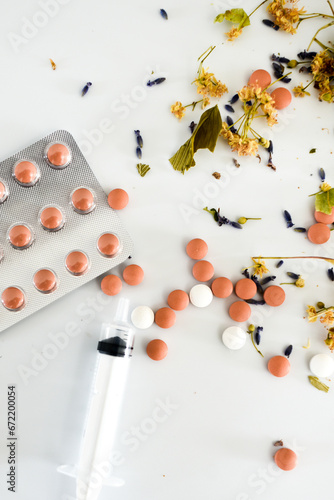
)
(57, 230)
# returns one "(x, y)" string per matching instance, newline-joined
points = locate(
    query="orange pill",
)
(77, 263)
(111, 285)
(157, 349)
(133, 275)
(245, 289)
(58, 155)
(178, 300)
(324, 218)
(13, 298)
(45, 281)
(239, 311)
(222, 287)
(282, 97)
(82, 200)
(165, 317)
(26, 173)
(197, 249)
(108, 244)
(261, 78)
(51, 218)
(118, 199)
(20, 236)
(319, 233)
(279, 366)
(274, 296)
(3, 192)
(285, 459)
(203, 270)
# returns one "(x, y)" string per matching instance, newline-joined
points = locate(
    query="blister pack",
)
(57, 230)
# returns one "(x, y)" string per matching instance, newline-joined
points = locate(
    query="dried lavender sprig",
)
(257, 283)
(288, 351)
(192, 126)
(267, 280)
(163, 14)
(306, 55)
(288, 219)
(270, 24)
(229, 108)
(299, 229)
(322, 174)
(280, 263)
(139, 138)
(86, 88)
(234, 99)
(293, 276)
(330, 274)
(157, 81)
(255, 302)
(138, 152)
(280, 59)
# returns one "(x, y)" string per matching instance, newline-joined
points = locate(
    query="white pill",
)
(200, 295)
(322, 365)
(142, 317)
(234, 337)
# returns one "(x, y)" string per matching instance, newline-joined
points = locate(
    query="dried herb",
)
(53, 64)
(236, 163)
(229, 108)
(313, 150)
(139, 138)
(192, 126)
(278, 443)
(235, 16)
(288, 219)
(270, 24)
(157, 81)
(324, 201)
(138, 152)
(234, 99)
(294, 276)
(86, 88)
(317, 384)
(330, 273)
(322, 174)
(243, 220)
(267, 280)
(255, 302)
(308, 345)
(205, 136)
(221, 219)
(216, 175)
(279, 263)
(143, 169)
(163, 14)
(251, 330)
(288, 351)
(299, 229)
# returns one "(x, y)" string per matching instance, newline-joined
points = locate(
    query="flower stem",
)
(320, 29)
(330, 6)
(252, 338)
(327, 259)
(265, 1)
(322, 311)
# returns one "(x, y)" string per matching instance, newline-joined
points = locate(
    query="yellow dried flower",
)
(286, 14)
(330, 341)
(300, 283)
(299, 91)
(327, 318)
(325, 186)
(178, 110)
(311, 312)
(233, 33)
(208, 85)
(259, 267)
(205, 102)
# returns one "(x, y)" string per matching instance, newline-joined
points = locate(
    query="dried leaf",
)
(143, 169)
(235, 16)
(317, 384)
(325, 201)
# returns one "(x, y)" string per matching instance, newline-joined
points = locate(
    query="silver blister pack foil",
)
(49, 249)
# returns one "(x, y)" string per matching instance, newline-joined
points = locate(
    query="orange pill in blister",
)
(45, 281)
(77, 263)
(82, 200)
(58, 155)
(13, 298)
(26, 173)
(3, 192)
(20, 236)
(108, 244)
(51, 218)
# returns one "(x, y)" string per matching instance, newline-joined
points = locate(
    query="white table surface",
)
(224, 409)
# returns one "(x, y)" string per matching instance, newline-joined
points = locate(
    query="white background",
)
(217, 440)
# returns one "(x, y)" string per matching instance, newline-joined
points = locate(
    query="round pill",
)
(3, 192)
(200, 295)
(13, 298)
(108, 244)
(157, 349)
(111, 285)
(240, 311)
(58, 155)
(133, 275)
(203, 270)
(165, 317)
(261, 78)
(282, 97)
(51, 218)
(274, 296)
(142, 317)
(77, 263)
(279, 366)
(197, 249)
(322, 365)
(26, 173)
(245, 289)
(83, 200)
(319, 233)
(178, 300)
(20, 236)
(285, 459)
(45, 280)
(222, 287)
(324, 218)
(234, 337)
(118, 199)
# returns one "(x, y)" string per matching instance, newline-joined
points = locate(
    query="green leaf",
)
(317, 384)
(143, 169)
(325, 201)
(313, 150)
(205, 136)
(213, 212)
(237, 16)
(220, 18)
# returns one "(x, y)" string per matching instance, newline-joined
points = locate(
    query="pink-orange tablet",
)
(274, 296)
(3, 192)
(133, 275)
(45, 280)
(111, 285)
(51, 218)
(165, 317)
(20, 236)
(13, 298)
(26, 173)
(285, 459)
(203, 270)
(178, 300)
(157, 349)
(82, 200)
(239, 311)
(319, 233)
(324, 218)
(197, 249)
(58, 155)
(108, 245)
(279, 366)
(245, 289)
(118, 199)
(222, 287)
(77, 263)
(260, 77)
(282, 97)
